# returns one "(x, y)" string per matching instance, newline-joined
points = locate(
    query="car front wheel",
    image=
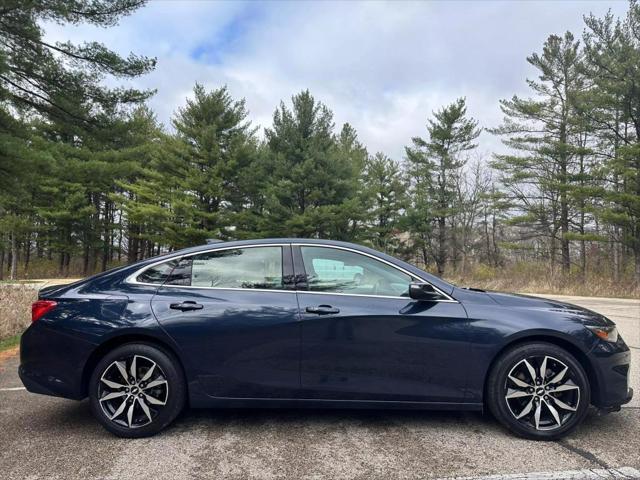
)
(136, 390)
(539, 391)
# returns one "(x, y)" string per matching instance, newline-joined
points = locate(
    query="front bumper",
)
(612, 366)
(52, 362)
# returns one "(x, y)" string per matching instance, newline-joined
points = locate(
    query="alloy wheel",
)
(132, 391)
(541, 392)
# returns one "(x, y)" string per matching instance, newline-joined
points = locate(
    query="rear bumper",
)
(52, 363)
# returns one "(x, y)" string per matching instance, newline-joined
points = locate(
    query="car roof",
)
(261, 241)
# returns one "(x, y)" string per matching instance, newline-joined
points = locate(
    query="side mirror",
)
(423, 291)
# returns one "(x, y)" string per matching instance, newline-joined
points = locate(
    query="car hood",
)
(553, 306)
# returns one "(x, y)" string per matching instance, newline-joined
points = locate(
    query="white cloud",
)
(383, 67)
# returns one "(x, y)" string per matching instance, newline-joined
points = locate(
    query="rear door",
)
(363, 338)
(234, 314)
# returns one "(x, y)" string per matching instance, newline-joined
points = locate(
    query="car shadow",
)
(77, 417)
(254, 418)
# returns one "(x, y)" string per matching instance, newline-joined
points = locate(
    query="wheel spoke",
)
(525, 410)
(120, 409)
(123, 371)
(155, 383)
(559, 376)
(563, 405)
(148, 373)
(133, 369)
(536, 415)
(532, 372)
(112, 395)
(111, 384)
(543, 369)
(564, 388)
(517, 394)
(145, 408)
(153, 400)
(130, 414)
(554, 412)
(519, 382)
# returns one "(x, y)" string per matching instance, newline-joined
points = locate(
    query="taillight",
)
(40, 308)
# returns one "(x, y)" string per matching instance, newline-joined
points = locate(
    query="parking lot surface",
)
(45, 437)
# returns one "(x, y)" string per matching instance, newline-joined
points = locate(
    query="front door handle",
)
(323, 309)
(185, 306)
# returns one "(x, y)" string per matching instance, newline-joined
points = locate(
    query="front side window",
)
(258, 267)
(341, 271)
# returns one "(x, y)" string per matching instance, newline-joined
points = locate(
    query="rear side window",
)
(181, 274)
(257, 267)
(157, 274)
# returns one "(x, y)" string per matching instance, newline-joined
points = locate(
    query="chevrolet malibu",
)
(291, 323)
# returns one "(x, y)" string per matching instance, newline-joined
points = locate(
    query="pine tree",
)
(543, 133)
(313, 189)
(612, 50)
(386, 199)
(55, 92)
(197, 183)
(434, 165)
(217, 148)
(61, 80)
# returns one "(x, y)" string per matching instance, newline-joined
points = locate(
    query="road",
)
(44, 437)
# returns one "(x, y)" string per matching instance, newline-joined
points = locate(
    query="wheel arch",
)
(123, 339)
(561, 342)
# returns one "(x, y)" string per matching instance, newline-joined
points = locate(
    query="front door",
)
(363, 338)
(235, 319)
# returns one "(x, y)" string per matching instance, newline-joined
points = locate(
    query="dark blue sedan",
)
(292, 322)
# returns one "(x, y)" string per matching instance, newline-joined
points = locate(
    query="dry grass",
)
(532, 278)
(15, 309)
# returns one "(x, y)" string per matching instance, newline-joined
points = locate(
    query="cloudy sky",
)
(383, 67)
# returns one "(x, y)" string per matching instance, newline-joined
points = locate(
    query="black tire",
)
(143, 396)
(573, 390)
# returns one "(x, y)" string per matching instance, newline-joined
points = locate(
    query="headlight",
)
(608, 334)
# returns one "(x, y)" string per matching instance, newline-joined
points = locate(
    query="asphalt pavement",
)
(45, 437)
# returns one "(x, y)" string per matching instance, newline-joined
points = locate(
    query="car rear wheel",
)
(136, 390)
(539, 391)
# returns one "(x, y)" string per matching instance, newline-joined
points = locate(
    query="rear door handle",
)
(323, 309)
(185, 306)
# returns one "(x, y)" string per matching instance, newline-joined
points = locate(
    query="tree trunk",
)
(441, 257)
(85, 258)
(2, 262)
(27, 254)
(494, 239)
(106, 243)
(564, 229)
(14, 257)
(61, 264)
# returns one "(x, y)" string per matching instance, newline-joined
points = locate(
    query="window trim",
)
(132, 279)
(447, 299)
